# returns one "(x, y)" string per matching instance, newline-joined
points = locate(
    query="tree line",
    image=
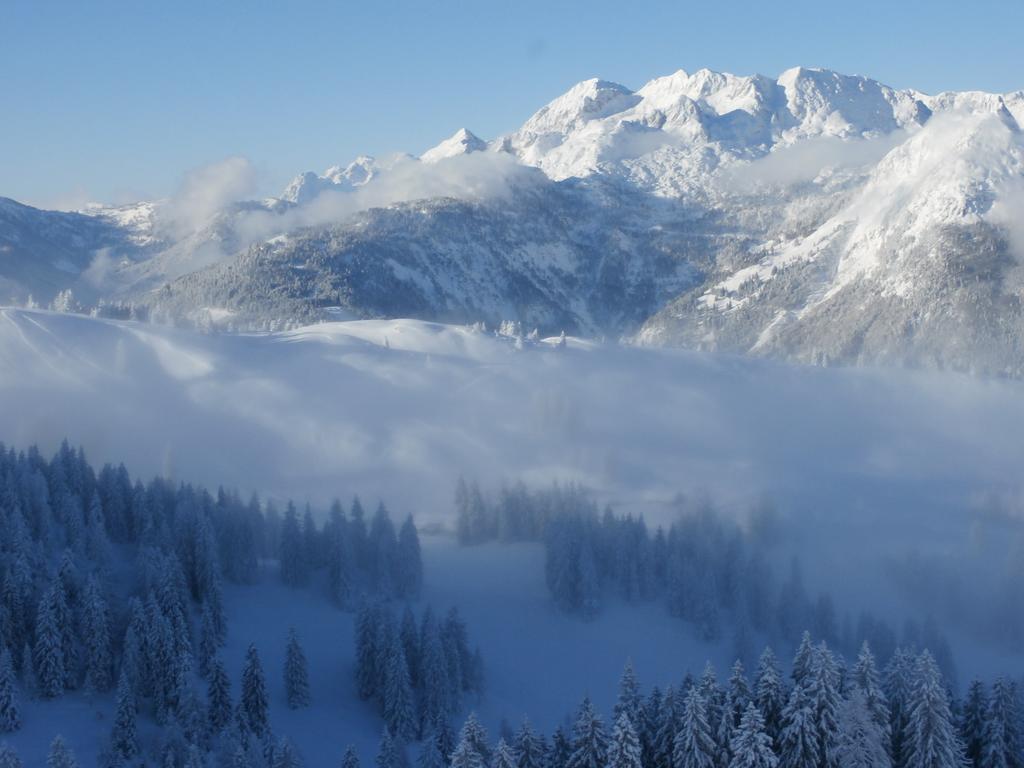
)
(706, 569)
(114, 586)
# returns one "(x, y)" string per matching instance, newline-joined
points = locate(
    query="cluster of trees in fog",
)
(417, 673)
(828, 714)
(706, 569)
(357, 559)
(116, 587)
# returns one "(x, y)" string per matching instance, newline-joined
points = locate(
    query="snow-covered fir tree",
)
(123, 736)
(218, 697)
(388, 753)
(931, 739)
(10, 710)
(296, 674)
(1001, 746)
(409, 565)
(397, 695)
(60, 755)
(351, 758)
(254, 703)
(867, 679)
(589, 740)
(8, 757)
(694, 745)
(502, 757)
(973, 718)
(293, 564)
(430, 754)
(286, 755)
(528, 747)
(96, 637)
(624, 747)
(48, 655)
(799, 743)
(751, 747)
(822, 683)
(629, 698)
(861, 742)
(770, 695)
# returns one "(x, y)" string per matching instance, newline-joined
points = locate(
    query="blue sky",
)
(115, 101)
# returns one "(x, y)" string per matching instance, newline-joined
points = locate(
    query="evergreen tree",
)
(388, 755)
(384, 556)
(351, 758)
(624, 750)
(931, 738)
(861, 741)
(650, 725)
(296, 676)
(96, 635)
(10, 712)
(802, 660)
(434, 683)
(973, 721)
(293, 564)
(589, 743)
(561, 749)
(29, 681)
(208, 644)
(1001, 747)
(866, 678)
(254, 704)
(218, 697)
(398, 704)
(339, 559)
(476, 734)
(503, 757)
(694, 744)
(465, 756)
(123, 738)
(739, 694)
(49, 653)
(665, 736)
(528, 747)
(60, 755)
(751, 747)
(410, 561)
(430, 755)
(898, 689)
(799, 747)
(822, 681)
(367, 631)
(628, 702)
(285, 755)
(411, 645)
(8, 757)
(769, 695)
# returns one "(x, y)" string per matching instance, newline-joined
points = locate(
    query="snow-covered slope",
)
(462, 142)
(399, 408)
(815, 216)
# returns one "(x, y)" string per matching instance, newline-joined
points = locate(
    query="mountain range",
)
(816, 217)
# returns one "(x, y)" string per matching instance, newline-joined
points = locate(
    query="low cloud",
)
(206, 191)
(476, 176)
(100, 270)
(804, 162)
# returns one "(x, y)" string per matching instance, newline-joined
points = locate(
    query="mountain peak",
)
(462, 142)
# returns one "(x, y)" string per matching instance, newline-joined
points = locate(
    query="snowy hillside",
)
(886, 483)
(400, 409)
(815, 216)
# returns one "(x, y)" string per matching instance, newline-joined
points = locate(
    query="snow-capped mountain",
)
(816, 216)
(462, 142)
(308, 185)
